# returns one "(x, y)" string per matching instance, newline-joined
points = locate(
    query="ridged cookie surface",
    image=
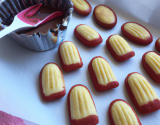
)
(101, 74)
(52, 82)
(136, 33)
(119, 48)
(121, 113)
(69, 56)
(82, 109)
(151, 63)
(87, 35)
(82, 7)
(141, 93)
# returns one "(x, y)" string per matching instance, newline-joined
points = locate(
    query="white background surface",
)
(20, 68)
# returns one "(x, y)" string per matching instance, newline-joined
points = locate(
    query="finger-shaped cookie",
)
(52, 84)
(141, 93)
(87, 35)
(121, 113)
(69, 56)
(101, 74)
(136, 33)
(82, 7)
(82, 110)
(105, 16)
(119, 48)
(157, 44)
(151, 63)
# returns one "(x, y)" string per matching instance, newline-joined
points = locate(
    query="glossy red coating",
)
(105, 25)
(81, 12)
(90, 120)
(136, 39)
(86, 42)
(71, 67)
(110, 114)
(157, 45)
(114, 54)
(53, 96)
(144, 109)
(95, 82)
(155, 77)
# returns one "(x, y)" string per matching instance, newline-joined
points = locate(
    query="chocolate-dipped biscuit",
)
(151, 63)
(119, 48)
(105, 16)
(82, 7)
(136, 33)
(81, 107)
(141, 93)
(52, 83)
(121, 113)
(101, 74)
(87, 35)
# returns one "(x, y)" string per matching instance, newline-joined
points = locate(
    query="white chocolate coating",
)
(103, 71)
(52, 80)
(119, 45)
(87, 32)
(141, 89)
(69, 53)
(81, 103)
(137, 30)
(122, 114)
(104, 14)
(153, 60)
(81, 4)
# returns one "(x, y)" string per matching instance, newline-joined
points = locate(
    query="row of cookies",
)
(80, 102)
(106, 18)
(100, 13)
(81, 106)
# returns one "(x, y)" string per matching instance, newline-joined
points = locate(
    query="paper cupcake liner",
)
(38, 41)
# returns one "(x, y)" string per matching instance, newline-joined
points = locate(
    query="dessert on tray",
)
(82, 7)
(69, 56)
(119, 48)
(151, 63)
(101, 74)
(105, 16)
(52, 84)
(141, 93)
(121, 113)
(87, 35)
(136, 33)
(81, 107)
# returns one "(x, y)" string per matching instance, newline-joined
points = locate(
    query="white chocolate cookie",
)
(87, 32)
(52, 80)
(69, 53)
(81, 103)
(105, 15)
(137, 30)
(103, 71)
(119, 45)
(122, 114)
(141, 89)
(153, 60)
(80, 4)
